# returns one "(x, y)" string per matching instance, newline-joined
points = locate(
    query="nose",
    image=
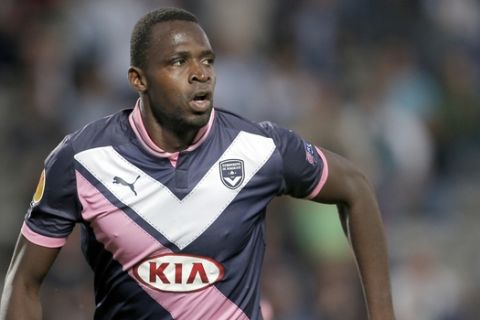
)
(199, 73)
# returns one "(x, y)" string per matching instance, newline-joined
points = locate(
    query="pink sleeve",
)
(323, 177)
(41, 240)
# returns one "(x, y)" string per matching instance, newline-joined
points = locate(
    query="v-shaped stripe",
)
(179, 221)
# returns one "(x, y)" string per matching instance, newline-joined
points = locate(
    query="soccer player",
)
(171, 195)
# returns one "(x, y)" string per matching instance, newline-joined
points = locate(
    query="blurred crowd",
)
(392, 85)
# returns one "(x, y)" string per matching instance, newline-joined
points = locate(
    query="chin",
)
(201, 118)
(193, 122)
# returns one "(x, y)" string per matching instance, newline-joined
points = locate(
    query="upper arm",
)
(29, 266)
(55, 207)
(318, 174)
(302, 166)
(345, 183)
(30, 263)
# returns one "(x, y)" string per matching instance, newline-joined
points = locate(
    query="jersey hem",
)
(41, 240)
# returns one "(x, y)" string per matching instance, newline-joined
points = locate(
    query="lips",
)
(201, 101)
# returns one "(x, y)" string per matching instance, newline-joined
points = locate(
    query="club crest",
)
(232, 173)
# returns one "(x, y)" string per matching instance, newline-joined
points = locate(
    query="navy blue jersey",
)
(172, 235)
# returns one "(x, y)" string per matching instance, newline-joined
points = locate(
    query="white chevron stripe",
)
(180, 221)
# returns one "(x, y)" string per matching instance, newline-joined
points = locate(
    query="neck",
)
(168, 137)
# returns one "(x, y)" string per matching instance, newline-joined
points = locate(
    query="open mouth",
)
(201, 101)
(202, 96)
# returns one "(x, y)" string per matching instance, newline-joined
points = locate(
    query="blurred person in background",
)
(112, 175)
(426, 289)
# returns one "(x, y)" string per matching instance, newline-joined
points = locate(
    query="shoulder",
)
(233, 121)
(110, 130)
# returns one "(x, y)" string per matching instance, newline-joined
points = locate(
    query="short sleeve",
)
(55, 208)
(305, 169)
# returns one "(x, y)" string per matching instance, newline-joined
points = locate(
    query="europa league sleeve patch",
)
(37, 196)
(310, 153)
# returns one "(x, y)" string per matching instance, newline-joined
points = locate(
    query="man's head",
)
(172, 69)
(141, 34)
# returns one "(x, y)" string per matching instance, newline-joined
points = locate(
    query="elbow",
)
(358, 187)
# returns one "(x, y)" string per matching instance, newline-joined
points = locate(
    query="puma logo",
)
(118, 180)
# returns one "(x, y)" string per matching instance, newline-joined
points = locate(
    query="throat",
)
(172, 140)
(168, 133)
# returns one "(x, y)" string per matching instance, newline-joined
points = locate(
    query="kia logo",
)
(178, 272)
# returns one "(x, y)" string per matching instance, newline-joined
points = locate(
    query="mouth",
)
(201, 101)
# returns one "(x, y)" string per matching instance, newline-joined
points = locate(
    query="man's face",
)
(180, 75)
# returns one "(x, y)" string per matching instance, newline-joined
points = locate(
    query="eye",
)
(209, 61)
(177, 62)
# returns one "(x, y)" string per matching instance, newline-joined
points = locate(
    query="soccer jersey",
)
(172, 235)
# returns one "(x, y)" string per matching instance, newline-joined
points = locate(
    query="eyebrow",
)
(203, 53)
(207, 53)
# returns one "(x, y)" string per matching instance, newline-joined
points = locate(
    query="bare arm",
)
(28, 268)
(347, 187)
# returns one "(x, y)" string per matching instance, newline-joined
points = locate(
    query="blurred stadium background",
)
(393, 85)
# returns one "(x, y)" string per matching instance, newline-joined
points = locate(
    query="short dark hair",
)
(140, 40)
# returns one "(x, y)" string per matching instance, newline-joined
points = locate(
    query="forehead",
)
(170, 36)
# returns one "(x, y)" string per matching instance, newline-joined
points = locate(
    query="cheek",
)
(166, 88)
(176, 82)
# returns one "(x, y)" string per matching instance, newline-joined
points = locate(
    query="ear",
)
(137, 79)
